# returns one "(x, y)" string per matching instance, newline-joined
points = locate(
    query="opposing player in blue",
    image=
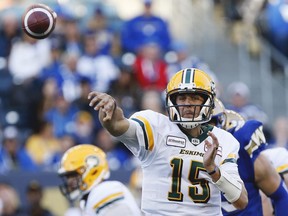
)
(255, 169)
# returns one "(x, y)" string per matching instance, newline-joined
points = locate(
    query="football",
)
(39, 21)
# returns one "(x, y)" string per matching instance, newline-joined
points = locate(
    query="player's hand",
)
(210, 154)
(104, 103)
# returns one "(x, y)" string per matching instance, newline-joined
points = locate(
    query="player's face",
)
(188, 111)
(72, 182)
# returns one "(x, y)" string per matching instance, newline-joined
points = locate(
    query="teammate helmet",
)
(87, 165)
(232, 120)
(194, 81)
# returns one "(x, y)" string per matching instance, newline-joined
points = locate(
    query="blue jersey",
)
(252, 142)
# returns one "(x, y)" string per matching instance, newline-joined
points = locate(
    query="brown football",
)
(39, 21)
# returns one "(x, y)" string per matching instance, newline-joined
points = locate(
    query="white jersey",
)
(278, 157)
(175, 181)
(110, 198)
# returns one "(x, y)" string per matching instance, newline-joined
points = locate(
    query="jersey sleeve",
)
(141, 136)
(282, 161)
(255, 137)
(279, 158)
(103, 197)
(229, 154)
(229, 147)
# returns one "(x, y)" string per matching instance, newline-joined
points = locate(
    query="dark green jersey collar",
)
(205, 128)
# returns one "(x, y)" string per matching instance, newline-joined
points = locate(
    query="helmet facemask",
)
(205, 108)
(72, 182)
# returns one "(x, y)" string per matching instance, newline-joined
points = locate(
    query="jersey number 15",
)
(176, 195)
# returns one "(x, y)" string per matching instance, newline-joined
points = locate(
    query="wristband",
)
(229, 185)
(213, 171)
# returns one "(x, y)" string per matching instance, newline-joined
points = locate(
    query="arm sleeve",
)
(280, 199)
(129, 138)
(116, 209)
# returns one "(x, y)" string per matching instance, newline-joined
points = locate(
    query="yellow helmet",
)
(233, 120)
(85, 163)
(194, 81)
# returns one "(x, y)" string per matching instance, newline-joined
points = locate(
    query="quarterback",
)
(186, 164)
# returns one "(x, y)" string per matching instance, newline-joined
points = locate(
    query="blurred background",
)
(128, 49)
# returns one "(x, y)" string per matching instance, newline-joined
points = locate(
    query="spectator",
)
(82, 102)
(28, 57)
(84, 128)
(12, 155)
(184, 59)
(52, 70)
(66, 23)
(143, 29)
(280, 133)
(107, 38)
(9, 33)
(239, 101)
(92, 64)
(34, 194)
(10, 201)
(62, 116)
(150, 68)
(72, 36)
(71, 78)
(42, 145)
(49, 95)
(125, 90)
(6, 86)
(117, 154)
(65, 142)
(152, 100)
(277, 24)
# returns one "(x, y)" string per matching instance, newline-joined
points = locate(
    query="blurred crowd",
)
(250, 20)
(44, 83)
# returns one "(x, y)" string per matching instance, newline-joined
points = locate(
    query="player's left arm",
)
(226, 177)
(266, 205)
(269, 181)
